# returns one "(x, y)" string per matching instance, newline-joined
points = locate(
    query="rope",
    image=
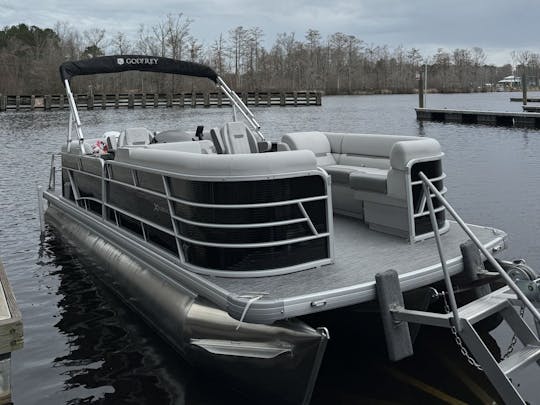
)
(253, 299)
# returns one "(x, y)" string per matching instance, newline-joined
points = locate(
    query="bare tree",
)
(95, 42)
(120, 44)
(29, 59)
(176, 28)
(237, 40)
(219, 53)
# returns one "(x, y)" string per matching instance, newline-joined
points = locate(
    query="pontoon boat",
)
(227, 243)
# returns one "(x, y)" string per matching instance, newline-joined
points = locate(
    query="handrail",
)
(522, 297)
(435, 226)
(238, 103)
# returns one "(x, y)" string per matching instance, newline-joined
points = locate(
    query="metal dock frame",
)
(11, 334)
(461, 320)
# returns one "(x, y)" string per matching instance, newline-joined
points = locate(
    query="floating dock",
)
(11, 334)
(500, 118)
(155, 100)
(529, 100)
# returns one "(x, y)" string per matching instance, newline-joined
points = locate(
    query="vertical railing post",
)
(447, 280)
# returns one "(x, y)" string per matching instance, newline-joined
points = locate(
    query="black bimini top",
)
(123, 63)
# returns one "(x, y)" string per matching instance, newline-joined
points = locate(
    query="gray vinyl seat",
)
(371, 174)
(369, 179)
(237, 138)
(340, 173)
(135, 136)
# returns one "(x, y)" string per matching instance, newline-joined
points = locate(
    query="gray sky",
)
(497, 26)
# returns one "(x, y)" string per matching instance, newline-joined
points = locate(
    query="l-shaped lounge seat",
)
(371, 174)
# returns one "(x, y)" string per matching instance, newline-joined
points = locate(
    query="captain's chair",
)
(238, 138)
(135, 136)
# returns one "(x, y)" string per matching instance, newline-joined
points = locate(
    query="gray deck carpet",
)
(360, 253)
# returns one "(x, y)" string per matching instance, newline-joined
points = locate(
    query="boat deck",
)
(360, 254)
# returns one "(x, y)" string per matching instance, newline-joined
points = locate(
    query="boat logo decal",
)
(137, 61)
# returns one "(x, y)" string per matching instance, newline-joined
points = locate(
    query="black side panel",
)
(244, 235)
(256, 258)
(144, 205)
(247, 192)
(432, 170)
(234, 216)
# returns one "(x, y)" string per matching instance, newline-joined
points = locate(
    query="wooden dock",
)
(501, 118)
(529, 99)
(11, 334)
(144, 100)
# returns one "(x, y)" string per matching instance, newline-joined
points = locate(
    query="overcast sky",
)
(497, 26)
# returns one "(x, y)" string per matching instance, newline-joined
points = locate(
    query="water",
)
(83, 346)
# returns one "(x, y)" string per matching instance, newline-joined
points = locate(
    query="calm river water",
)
(83, 346)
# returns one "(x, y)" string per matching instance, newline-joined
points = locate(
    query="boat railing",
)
(238, 103)
(430, 189)
(200, 222)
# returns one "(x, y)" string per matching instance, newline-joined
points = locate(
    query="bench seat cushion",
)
(369, 179)
(340, 173)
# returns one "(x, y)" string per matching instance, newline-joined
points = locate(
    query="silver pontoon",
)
(227, 242)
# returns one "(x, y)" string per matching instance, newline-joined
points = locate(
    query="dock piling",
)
(420, 90)
(524, 88)
(47, 100)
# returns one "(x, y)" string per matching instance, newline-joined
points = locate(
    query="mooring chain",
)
(458, 340)
(514, 338)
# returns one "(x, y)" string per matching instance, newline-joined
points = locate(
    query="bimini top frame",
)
(123, 63)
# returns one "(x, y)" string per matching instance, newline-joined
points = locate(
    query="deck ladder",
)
(522, 293)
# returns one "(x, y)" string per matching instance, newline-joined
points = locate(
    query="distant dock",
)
(155, 100)
(503, 118)
(529, 100)
(531, 108)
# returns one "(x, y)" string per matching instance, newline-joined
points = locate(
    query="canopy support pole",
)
(75, 114)
(238, 103)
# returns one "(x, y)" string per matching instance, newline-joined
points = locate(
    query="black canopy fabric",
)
(122, 63)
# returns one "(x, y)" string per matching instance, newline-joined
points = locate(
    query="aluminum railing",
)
(106, 178)
(428, 185)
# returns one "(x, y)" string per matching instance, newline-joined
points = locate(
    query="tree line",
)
(338, 64)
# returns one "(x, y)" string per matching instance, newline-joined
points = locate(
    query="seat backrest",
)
(135, 136)
(217, 140)
(237, 138)
(173, 135)
(111, 139)
(315, 141)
